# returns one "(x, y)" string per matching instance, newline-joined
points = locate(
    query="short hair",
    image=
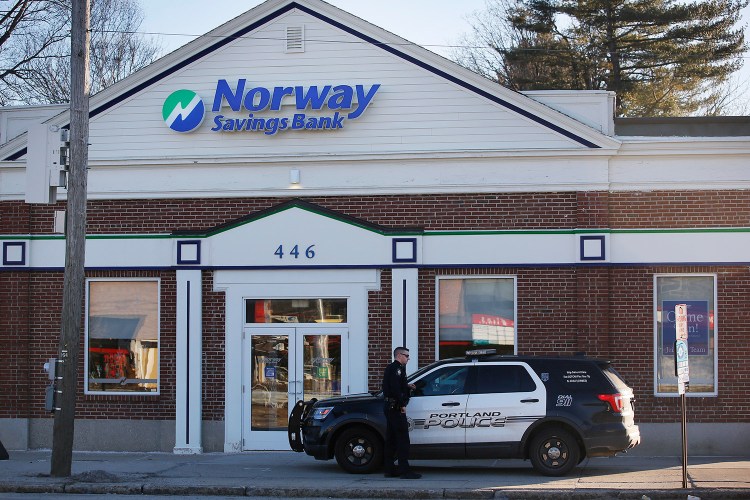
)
(398, 350)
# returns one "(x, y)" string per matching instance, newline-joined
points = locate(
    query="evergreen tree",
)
(661, 57)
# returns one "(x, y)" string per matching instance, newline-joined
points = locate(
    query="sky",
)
(430, 23)
(434, 24)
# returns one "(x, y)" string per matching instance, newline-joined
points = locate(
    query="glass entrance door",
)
(284, 365)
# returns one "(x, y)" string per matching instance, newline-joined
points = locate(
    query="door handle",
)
(530, 400)
(452, 403)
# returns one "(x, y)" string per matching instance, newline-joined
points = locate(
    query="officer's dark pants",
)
(396, 441)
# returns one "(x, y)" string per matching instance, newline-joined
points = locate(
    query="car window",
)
(503, 378)
(614, 378)
(570, 376)
(441, 382)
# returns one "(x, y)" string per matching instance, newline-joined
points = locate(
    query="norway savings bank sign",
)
(261, 107)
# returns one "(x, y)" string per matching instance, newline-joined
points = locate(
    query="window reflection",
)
(295, 311)
(123, 336)
(322, 366)
(697, 292)
(476, 312)
(270, 368)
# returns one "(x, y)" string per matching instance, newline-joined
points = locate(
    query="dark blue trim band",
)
(386, 266)
(403, 311)
(187, 364)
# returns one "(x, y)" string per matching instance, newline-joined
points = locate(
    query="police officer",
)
(396, 392)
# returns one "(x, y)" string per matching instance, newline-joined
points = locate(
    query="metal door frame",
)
(277, 440)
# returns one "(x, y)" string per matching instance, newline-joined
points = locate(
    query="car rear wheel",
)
(358, 450)
(554, 452)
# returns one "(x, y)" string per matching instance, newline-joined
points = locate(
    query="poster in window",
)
(698, 319)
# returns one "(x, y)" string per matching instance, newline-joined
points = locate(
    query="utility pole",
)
(75, 243)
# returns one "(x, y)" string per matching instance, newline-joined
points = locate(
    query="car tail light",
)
(615, 401)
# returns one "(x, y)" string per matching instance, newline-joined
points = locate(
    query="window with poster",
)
(475, 312)
(122, 336)
(698, 292)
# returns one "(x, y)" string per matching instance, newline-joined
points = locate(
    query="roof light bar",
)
(481, 352)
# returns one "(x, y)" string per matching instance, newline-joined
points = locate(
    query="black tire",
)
(359, 450)
(554, 451)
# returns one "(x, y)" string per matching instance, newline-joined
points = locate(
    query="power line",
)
(355, 42)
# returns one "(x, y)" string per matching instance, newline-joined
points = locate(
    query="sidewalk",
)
(287, 474)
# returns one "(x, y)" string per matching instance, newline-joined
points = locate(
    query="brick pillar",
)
(593, 310)
(592, 209)
(15, 338)
(593, 283)
(379, 331)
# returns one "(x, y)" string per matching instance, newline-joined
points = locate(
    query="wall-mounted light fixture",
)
(294, 176)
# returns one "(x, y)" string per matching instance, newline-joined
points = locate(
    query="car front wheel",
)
(358, 450)
(554, 452)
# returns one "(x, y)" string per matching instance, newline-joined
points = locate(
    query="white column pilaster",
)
(188, 402)
(404, 313)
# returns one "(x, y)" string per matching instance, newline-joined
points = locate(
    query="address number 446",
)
(296, 252)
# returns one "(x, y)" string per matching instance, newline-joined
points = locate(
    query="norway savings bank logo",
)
(243, 108)
(183, 111)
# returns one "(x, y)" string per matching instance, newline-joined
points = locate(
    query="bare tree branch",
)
(35, 48)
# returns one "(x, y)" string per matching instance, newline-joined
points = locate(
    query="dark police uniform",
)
(396, 392)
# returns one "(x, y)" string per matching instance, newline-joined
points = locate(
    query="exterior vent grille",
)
(295, 38)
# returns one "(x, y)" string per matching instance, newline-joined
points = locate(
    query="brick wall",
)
(679, 209)
(547, 308)
(453, 211)
(30, 333)
(652, 209)
(147, 407)
(15, 339)
(379, 329)
(604, 311)
(214, 349)
(608, 313)
(632, 343)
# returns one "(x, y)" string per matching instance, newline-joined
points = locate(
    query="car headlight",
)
(322, 412)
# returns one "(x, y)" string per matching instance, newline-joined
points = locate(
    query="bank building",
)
(275, 206)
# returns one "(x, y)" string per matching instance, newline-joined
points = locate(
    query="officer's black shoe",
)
(392, 474)
(410, 475)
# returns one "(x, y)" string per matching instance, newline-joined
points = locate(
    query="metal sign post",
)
(682, 371)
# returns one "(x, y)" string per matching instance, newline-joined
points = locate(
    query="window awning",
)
(118, 327)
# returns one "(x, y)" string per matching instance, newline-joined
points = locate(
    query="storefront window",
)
(122, 336)
(698, 292)
(295, 311)
(476, 313)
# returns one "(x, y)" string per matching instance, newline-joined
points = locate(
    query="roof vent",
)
(295, 38)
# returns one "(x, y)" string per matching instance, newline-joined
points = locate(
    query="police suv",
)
(553, 411)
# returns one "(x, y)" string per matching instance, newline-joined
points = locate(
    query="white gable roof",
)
(424, 102)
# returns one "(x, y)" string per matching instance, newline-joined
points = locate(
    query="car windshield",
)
(413, 376)
(420, 372)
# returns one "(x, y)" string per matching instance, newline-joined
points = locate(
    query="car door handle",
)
(452, 403)
(529, 400)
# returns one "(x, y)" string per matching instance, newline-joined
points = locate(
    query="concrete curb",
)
(412, 493)
(32, 488)
(204, 490)
(104, 488)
